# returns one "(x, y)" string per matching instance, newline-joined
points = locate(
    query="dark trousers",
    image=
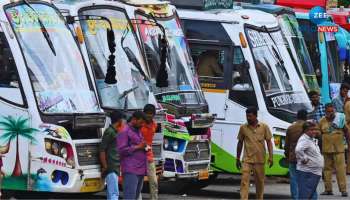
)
(307, 184)
(132, 186)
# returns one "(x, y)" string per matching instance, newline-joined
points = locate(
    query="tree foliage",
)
(344, 3)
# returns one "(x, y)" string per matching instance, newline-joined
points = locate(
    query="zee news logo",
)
(319, 17)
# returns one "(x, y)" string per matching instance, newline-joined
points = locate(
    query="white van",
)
(242, 61)
(50, 119)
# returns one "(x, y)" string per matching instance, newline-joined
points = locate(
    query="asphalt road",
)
(225, 187)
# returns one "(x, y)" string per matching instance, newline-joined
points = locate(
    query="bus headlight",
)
(175, 145)
(166, 143)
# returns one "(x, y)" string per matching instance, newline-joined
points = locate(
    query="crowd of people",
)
(127, 146)
(315, 147)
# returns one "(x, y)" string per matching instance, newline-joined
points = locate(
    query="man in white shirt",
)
(309, 161)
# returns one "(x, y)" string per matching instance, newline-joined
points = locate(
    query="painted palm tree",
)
(12, 128)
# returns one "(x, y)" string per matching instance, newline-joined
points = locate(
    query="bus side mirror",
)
(162, 74)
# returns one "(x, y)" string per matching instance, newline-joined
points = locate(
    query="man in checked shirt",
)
(319, 109)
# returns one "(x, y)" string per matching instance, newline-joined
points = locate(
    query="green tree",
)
(344, 3)
(13, 128)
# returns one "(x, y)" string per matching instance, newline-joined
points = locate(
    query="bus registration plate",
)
(203, 175)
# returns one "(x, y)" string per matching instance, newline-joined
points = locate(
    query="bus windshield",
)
(128, 73)
(333, 59)
(183, 83)
(291, 30)
(57, 71)
(281, 87)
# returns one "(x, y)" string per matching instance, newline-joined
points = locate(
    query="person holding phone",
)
(253, 136)
(109, 157)
(132, 150)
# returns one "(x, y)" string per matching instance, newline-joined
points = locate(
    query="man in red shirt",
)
(148, 131)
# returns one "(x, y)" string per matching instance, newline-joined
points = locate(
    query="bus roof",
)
(253, 17)
(270, 8)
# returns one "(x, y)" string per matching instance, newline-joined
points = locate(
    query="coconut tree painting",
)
(12, 128)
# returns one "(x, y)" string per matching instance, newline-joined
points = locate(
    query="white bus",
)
(50, 120)
(173, 80)
(89, 20)
(242, 61)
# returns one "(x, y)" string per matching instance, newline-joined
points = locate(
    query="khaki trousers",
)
(348, 162)
(259, 176)
(334, 161)
(152, 180)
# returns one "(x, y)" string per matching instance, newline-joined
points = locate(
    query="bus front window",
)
(54, 62)
(281, 87)
(290, 29)
(129, 74)
(183, 84)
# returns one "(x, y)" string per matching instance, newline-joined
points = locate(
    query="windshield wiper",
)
(131, 56)
(276, 53)
(125, 95)
(42, 28)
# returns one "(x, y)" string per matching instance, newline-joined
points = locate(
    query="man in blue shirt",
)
(339, 101)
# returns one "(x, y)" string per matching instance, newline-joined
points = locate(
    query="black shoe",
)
(327, 193)
(344, 194)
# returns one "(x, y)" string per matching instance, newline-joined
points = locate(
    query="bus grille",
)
(87, 154)
(196, 167)
(157, 151)
(196, 151)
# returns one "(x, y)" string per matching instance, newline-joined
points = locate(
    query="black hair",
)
(117, 116)
(252, 110)
(309, 124)
(328, 105)
(344, 86)
(312, 93)
(302, 114)
(149, 108)
(139, 115)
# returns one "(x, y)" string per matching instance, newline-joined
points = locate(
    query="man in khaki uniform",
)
(347, 124)
(209, 65)
(253, 136)
(293, 134)
(332, 129)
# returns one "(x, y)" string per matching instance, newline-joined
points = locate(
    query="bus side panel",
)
(15, 135)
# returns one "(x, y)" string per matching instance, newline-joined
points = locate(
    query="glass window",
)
(128, 61)
(9, 79)
(280, 82)
(181, 72)
(55, 65)
(206, 31)
(209, 64)
(242, 90)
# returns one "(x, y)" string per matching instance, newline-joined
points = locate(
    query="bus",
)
(174, 81)
(90, 21)
(253, 68)
(51, 120)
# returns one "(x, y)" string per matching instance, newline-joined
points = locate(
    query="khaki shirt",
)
(347, 114)
(293, 134)
(254, 142)
(332, 142)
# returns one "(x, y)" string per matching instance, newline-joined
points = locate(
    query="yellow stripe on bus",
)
(214, 90)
